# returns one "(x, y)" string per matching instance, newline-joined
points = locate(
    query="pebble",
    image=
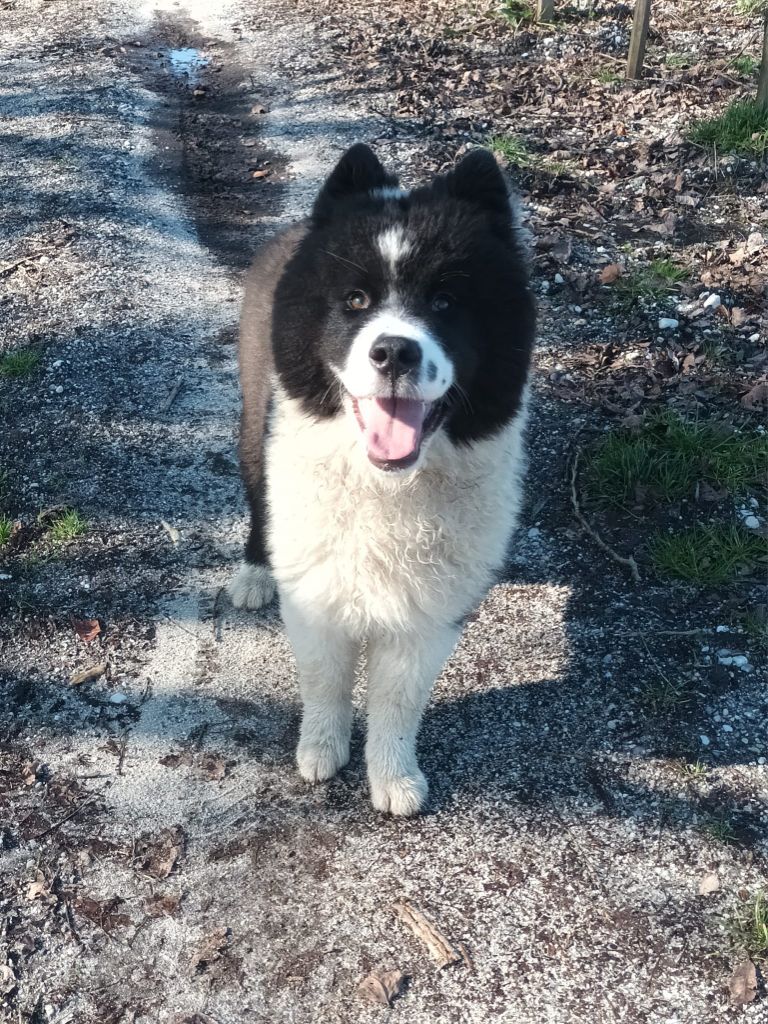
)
(752, 523)
(727, 728)
(534, 532)
(713, 301)
(118, 698)
(704, 740)
(754, 338)
(667, 323)
(559, 279)
(59, 389)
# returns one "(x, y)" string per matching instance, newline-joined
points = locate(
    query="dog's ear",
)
(359, 170)
(478, 179)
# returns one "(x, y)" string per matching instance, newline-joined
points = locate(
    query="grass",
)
(679, 61)
(751, 7)
(6, 526)
(749, 926)
(517, 12)
(756, 627)
(741, 128)
(512, 148)
(67, 526)
(607, 76)
(669, 456)
(693, 770)
(19, 364)
(745, 65)
(719, 829)
(655, 281)
(665, 696)
(707, 555)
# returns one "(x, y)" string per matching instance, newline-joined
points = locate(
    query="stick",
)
(426, 931)
(638, 38)
(61, 821)
(87, 675)
(172, 397)
(629, 562)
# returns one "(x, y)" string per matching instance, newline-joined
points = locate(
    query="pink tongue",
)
(392, 426)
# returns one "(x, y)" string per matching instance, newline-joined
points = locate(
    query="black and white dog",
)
(384, 351)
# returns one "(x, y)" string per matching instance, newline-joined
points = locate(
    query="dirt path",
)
(160, 858)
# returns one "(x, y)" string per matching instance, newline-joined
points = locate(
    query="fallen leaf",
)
(210, 950)
(158, 905)
(757, 397)
(174, 760)
(709, 883)
(37, 889)
(263, 173)
(158, 855)
(103, 913)
(86, 629)
(212, 767)
(382, 987)
(743, 983)
(610, 273)
(88, 675)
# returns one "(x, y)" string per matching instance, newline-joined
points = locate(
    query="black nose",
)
(395, 356)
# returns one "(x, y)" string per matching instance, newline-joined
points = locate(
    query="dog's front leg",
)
(326, 658)
(401, 670)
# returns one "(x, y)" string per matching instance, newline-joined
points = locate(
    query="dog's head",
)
(407, 311)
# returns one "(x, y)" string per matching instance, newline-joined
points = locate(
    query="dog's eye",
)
(441, 302)
(358, 300)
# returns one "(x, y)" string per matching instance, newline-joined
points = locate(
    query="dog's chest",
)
(350, 542)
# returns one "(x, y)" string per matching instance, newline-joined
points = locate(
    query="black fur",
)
(464, 245)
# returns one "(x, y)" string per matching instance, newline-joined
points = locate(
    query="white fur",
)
(397, 559)
(252, 587)
(393, 246)
(361, 379)
(389, 192)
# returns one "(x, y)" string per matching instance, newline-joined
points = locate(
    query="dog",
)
(384, 353)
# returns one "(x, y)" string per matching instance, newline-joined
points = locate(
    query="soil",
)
(160, 859)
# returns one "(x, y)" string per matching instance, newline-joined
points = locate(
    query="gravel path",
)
(161, 860)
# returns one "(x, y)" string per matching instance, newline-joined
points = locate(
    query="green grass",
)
(756, 627)
(665, 696)
(719, 829)
(512, 148)
(745, 65)
(67, 526)
(669, 456)
(607, 76)
(693, 771)
(6, 525)
(749, 926)
(655, 281)
(517, 12)
(679, 61)
(751, 7)
(19, 364)
(707, 555)
(741, 128)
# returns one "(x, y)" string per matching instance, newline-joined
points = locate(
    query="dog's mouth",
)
(394, 429)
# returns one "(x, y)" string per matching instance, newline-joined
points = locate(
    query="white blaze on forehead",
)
(393, 246)
(362, 380)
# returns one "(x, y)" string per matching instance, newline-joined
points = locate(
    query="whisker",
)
(343, 259)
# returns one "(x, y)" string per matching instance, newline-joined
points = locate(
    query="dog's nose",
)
(395, 356)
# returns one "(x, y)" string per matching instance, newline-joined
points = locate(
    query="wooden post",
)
(762, 85)
(545, 10)
(637, 42)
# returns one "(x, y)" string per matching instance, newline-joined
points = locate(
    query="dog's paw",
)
(320, 760)
(252, 587)
(402, 795)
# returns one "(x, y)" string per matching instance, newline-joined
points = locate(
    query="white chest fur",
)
(375, 550)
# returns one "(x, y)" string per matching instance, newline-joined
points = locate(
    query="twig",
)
(178, 625)
(629, 562)
(172, 397)
(440, 948)
(665, 632)
(6, 267)
(217, 633)
(61, 821)
(121, 757)
(88, 675)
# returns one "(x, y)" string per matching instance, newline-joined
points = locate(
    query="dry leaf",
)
(7, 980)
(88, 675)
(212, 767)
(610, 273)
(37, 889)
(424, 928)
(174, 760)
(158, 905)
(743, 983)
(709, 883)
(382, 987)
(158, 855)
(210, 950)
(263, 173)
(757, 397)
(86, 629)
(104, 914)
